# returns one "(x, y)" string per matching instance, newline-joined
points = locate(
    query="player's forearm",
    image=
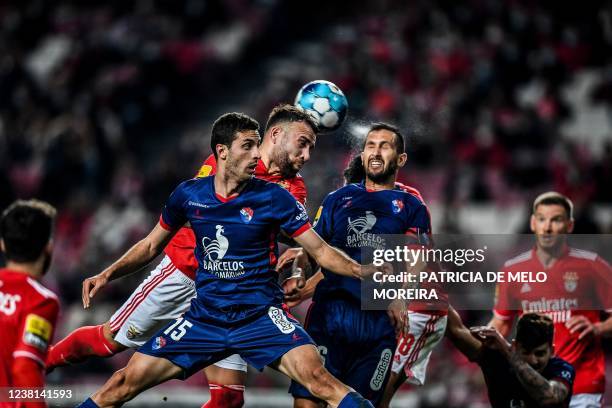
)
(461, 337)
(539, 388)
(337, 261)
(311, 285)
(133, 260)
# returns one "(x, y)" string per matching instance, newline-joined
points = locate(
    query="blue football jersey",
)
(236, 244)
(352, 217)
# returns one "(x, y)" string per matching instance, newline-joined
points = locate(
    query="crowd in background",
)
(106, 108)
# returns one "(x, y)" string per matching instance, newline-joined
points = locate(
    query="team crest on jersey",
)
(214, 252)
(359, 235)
(363, 224)
(246, 213)
(158, 343)
(570, 281)
(132, 332)
(215, 247)
(397, 206)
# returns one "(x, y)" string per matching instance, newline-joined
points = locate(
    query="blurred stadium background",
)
(105, 108)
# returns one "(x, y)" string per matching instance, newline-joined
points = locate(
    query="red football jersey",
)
(28, 315)
(577, 284)
(180, 248)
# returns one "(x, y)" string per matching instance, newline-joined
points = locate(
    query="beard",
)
(384, 175)
(284, 163)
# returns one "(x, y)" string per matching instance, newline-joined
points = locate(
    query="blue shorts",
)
(193, 343)
(357, 346)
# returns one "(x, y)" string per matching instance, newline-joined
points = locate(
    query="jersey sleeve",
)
(419, 227)
(208, 168)
(323, 221)
(292, 215)
(173, 214)
(603, 284)
(563, 372)
(36, 330)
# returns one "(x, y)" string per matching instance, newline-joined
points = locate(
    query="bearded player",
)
(357, 346)
(166, 293)
(577, 285)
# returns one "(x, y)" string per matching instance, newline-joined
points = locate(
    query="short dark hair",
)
(399, 137)
(554, 198)
(227, 126)
(284, 113)
(354, 172)
(26, 228)
(533, 330)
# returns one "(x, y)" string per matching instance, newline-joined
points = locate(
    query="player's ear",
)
(49, 247)
(570, 226)
(532, 223)
(276, 133)
(221, 151)
(2, 247)
(402, 159)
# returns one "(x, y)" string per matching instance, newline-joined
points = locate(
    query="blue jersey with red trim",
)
(236, 244)
(352, 217)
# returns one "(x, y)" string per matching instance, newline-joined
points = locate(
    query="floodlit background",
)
(104, 109)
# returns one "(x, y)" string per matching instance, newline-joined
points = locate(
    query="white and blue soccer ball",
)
(324, 102)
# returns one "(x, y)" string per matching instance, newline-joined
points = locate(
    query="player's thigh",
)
(414, 349)
(230, 371)
(157, 302)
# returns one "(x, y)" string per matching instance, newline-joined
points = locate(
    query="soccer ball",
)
(324, 102)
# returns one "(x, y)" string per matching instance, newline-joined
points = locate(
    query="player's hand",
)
(288, 257)
(292, 287)
(491, 338)
(398, 315)
(582, 325)
(91, 286)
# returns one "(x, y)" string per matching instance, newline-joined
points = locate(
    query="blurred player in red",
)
(28, 310)
(578, 284)
(166, 293)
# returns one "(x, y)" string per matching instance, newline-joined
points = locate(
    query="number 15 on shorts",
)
(178, 329)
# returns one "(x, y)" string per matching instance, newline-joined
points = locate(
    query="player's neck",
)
(266, 157)
(371, 185)
(32, 269)
(548, 257)
(228, 186)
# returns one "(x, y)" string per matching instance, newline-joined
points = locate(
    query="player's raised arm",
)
(137, 257)
(172, 218)
(327, 256)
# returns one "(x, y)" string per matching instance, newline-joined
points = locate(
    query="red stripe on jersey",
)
(301, 230)
(140, 297)
(163, 224)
